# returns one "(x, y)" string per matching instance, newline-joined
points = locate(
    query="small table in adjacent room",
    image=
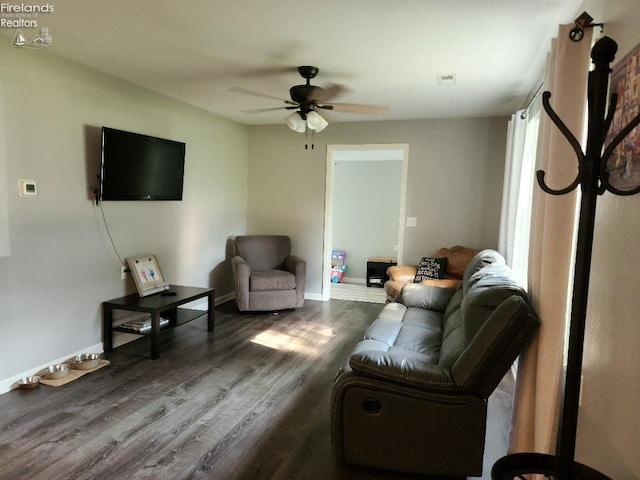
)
(155, 305)
(377, 270)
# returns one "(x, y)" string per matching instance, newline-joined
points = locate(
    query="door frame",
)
(332, 151)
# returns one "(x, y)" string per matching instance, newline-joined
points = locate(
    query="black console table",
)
(155, 305)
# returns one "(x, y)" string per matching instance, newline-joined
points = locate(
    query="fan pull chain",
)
(306, 139)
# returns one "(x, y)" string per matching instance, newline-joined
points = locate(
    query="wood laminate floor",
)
(248, 401)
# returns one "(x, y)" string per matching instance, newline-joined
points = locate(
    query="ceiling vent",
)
(446, 79)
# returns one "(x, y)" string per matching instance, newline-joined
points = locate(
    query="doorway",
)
(365, 191)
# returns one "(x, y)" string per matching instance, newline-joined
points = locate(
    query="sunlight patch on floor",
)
(307, 339)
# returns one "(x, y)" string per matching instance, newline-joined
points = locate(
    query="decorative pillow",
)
(431, 268)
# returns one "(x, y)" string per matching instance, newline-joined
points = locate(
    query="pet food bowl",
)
(29, 382)
(85, 361)
(56, 371)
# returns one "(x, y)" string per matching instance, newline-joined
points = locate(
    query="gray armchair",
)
(267, 277)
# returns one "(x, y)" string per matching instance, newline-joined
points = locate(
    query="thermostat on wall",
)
(27, 188)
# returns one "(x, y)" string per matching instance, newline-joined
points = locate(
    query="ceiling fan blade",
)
(326, 94)
(266, 71)
(246, 91)
(261, 110)
(356, 108)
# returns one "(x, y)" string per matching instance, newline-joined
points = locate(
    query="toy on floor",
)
(338, 266)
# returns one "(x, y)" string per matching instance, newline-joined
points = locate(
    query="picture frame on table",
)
(147, 275)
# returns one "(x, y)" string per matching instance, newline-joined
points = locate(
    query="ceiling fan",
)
(307, 99)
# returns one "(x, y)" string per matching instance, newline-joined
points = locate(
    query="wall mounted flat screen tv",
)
(140, 167)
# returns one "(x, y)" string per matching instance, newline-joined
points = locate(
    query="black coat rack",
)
(593, 178)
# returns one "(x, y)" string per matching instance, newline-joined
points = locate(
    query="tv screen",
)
(140, 167)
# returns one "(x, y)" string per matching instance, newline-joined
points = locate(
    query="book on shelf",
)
(143, 326)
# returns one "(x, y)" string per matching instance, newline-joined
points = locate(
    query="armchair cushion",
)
(266, 280)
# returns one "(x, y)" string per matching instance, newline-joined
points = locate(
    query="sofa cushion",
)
(458, 258)
(426, 296)
(265, 280)
(453, 340)
(430, 268)
(393, 311)
(420, 339)
(402, 273)
(403, 367)
(383, 330)
(416, 329)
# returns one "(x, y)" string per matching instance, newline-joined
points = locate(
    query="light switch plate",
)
(27, 188)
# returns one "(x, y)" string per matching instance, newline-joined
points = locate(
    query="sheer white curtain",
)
(515, 218)
(516, 136)
(540, 372)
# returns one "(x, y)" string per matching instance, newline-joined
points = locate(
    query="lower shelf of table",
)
(181, 316)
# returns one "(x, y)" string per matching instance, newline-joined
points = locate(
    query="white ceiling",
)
(387, 52)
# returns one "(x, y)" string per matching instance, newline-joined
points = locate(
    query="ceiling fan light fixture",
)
(316, 122)
(295, 122)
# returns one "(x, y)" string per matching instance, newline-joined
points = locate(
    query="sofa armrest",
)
(403, 369)
(403, 273)
(295, 265)
(298, 267)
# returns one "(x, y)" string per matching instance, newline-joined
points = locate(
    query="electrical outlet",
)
(412, 221)
(123, 272)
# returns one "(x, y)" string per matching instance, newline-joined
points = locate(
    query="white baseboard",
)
(313, 296)
(224, 298)
(359, 281)
(8, 383)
